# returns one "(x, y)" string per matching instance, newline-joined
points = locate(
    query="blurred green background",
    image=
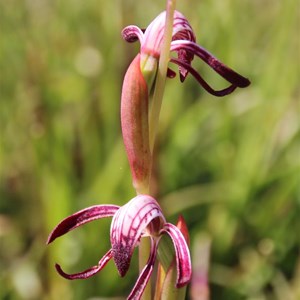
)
(230, 166)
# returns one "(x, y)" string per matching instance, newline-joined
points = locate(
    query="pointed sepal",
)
(80, 218)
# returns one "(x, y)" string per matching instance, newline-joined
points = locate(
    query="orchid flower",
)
(184, 44)
(140, 217)
(138, 120)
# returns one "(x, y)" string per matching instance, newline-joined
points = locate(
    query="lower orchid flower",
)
(140, 217)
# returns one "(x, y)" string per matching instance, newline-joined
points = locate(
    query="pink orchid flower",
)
(183, 43)
(139, 81)
(140, 217)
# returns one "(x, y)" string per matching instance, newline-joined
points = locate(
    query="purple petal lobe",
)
(132, 33)
(89, 272)
(205, 85)
(81, 217)
(129, 224)
(145, 275)
(227, 73)
(183, 260)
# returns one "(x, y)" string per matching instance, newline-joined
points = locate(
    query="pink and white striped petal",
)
(82, 217)
(154, 33)
(129, 224)
(182, 253)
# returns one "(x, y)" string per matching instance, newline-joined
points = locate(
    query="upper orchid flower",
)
(138, 117)
(183, 42)
(140, 217)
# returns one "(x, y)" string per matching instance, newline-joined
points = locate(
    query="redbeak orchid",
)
(183, 43)
(140, 217)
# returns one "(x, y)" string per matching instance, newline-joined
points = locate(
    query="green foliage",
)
(231, 166)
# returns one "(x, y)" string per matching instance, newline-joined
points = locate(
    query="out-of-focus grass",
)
(230, 166)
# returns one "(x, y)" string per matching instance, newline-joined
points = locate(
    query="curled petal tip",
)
(227, 73)
(245, 82)
(132, 34)
(88, 272)
(62, 273)
(82, 275)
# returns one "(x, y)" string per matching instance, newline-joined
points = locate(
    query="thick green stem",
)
(159, 87)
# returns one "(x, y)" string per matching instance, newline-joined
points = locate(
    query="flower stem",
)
(155, 107)
(161, 73)
(144, 252)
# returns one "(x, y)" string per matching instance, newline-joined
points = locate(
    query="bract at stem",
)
(135, 128)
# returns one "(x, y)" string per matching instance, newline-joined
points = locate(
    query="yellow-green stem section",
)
(161, 74)
(144, 252)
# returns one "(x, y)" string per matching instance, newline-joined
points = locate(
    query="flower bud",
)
(135, 127)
